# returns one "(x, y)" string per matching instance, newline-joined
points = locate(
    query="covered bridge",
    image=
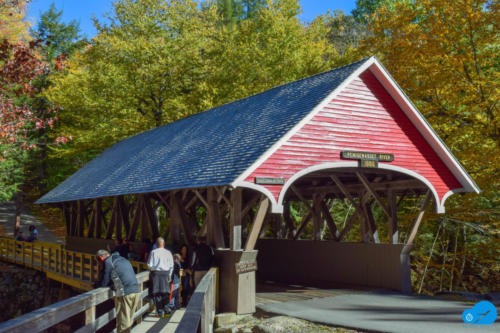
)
(349, 133)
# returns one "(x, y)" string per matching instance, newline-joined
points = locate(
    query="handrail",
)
(79, 270)
(51, 315)
(76, 269)
(200, 312)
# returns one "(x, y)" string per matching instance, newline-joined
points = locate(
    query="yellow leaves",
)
(12, 26)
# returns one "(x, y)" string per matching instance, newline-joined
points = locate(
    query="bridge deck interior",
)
(269, 292)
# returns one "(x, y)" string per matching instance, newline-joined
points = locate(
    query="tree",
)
(12, 26)
(159, 61)
(345, 33)
(19, 67)
(58, 38)
(236, 10)
(270, 49)
(365, 9)
(445, 56)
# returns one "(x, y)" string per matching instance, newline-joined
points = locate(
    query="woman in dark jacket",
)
(185, 274)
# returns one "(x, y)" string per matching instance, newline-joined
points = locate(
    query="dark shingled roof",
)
(211, 148)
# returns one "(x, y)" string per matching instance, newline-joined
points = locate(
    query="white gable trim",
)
(241, 178)
(275, 208)
(423, 127)
(449, 193)
(439, 204)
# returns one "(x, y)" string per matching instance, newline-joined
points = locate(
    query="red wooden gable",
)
(363, 116)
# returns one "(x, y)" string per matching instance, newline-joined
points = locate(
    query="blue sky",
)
(82, 10)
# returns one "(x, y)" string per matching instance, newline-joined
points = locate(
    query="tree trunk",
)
(19, 209)
(43, 168)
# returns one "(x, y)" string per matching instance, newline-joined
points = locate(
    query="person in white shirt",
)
(161, 263)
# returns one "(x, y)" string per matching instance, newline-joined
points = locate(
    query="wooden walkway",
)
(76, 269)
(153, 324)
(79, 270)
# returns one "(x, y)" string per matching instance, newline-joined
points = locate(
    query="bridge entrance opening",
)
(340, 228)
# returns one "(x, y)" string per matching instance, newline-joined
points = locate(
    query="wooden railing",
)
(76, 269)
(86, 303)
(79, 270)
(200, 312)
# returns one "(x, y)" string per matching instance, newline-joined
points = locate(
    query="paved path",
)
(382, 312)
(152, 324)
(7, 222)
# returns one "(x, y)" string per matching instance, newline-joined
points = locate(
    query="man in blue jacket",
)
(127, 302)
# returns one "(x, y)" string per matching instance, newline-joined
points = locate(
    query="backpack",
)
(117, 283)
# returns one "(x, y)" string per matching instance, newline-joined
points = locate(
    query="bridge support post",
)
(90, 316)
(237, 275)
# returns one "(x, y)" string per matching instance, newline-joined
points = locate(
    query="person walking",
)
(119, 272)
(33, 234)
(175, 301)
(161, 263)
(202, 259)
(185, 274)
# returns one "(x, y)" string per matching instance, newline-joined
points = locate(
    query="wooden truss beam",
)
(67, 217)
(303, 223)
(215, 226)
(397, 185)
(114, 218)
(221, 196)
(317, 221)
(163, 201)
(257, 225)
(250, 204)
(420, 216)
(202, 199)
(347, 227)
(373, 193)
(235, 219)
(357, 208)
(151, 217)
(392, 221)
(329, 220)
(288, 220)
(82, 213)
(137, 219)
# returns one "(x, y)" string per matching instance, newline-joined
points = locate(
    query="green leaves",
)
(58, 38)
(159, 61)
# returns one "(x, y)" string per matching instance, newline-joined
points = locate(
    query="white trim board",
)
(439, 204)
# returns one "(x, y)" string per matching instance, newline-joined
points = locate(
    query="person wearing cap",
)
(128, 298)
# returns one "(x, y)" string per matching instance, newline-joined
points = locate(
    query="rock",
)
(225, 319)
(226, 329)
(282, 324)
(23, 290)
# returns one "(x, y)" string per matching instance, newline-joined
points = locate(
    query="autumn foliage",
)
(157, 61)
